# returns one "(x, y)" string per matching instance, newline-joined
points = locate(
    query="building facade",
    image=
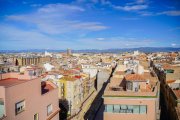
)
(132, 96)
(32, 99)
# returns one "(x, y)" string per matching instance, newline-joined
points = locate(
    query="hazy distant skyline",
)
(89, 24)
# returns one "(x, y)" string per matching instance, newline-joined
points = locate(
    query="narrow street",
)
(99, 115)
(97, 107)
(164, 114)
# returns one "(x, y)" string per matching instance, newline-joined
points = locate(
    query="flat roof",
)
(117, 86)
(11, 81)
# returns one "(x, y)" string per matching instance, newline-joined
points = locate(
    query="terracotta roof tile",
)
(170, 81)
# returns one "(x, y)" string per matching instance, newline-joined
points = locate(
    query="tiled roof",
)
(170, 81)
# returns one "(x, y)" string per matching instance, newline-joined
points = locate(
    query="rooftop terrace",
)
(122, 93)
(125, 85)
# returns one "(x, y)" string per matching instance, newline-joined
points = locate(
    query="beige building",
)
(23, 61)
(71, 89)
(27, 98)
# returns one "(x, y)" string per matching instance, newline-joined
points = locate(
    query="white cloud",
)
(22, 39)
(50, 8)
(139, 6)
(100, 39)
(15, 34)
(57, 19)
(136, 5)
(55, 26)
(173, 44)
(137, 2)
(131, 8)
(170, 13)
(94, 26)
(146, 13)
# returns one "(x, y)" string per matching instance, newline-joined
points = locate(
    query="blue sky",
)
(88, 24)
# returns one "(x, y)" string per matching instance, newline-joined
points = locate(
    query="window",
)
(129, 85)
(36, 116)
(109, 108)
(20, 106)
(49, 109)
(136, 109)
(116, 108)
(123, 109)
(133, 109)
(143, 109)
(129, 109)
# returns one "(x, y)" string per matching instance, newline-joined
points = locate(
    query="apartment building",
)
(25, 97)
(29, 60)
(169, 76)
(71, 89)
(132, 94)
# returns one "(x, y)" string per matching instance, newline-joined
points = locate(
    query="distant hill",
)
(142, 49)
(118, 50)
